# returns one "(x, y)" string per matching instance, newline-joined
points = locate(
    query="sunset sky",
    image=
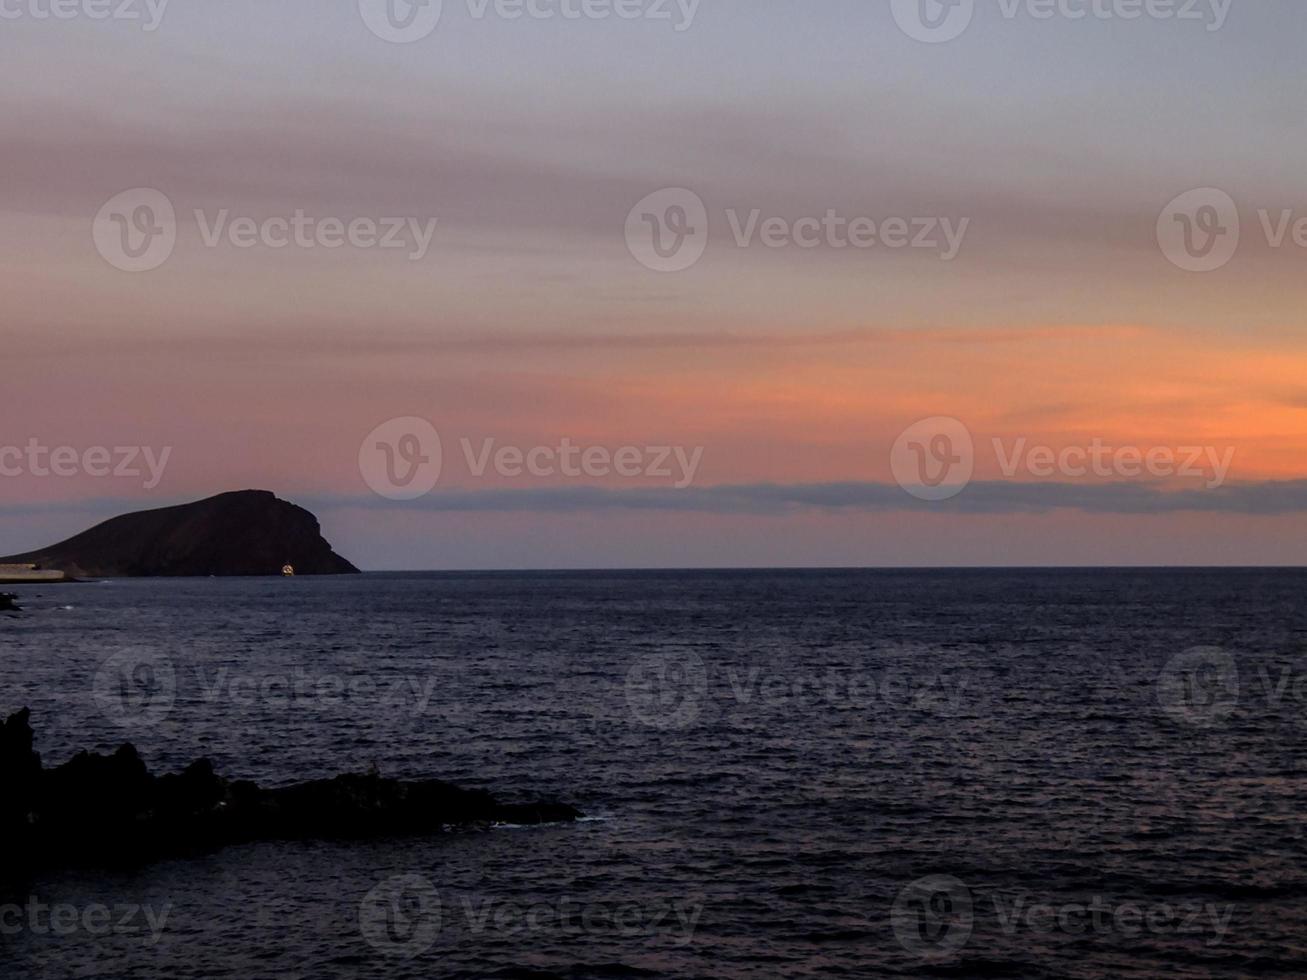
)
(1061, 321)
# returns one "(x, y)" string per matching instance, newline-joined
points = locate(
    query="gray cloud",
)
(981, 497)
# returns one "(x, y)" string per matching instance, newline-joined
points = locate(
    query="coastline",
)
(32, 575)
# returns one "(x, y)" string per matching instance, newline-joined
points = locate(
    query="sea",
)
(972, 773)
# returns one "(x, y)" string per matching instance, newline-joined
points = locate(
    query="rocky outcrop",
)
(249, 532)
(20, 777)
(98, 809)
(8, 603)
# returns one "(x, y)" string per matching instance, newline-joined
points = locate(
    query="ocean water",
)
(858, 774)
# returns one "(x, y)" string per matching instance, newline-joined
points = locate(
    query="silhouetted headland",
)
(109, 810)
(247, 532)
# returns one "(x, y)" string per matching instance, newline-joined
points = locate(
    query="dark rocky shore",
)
(109, 810)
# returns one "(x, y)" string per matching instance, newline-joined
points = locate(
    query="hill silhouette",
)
(244, 533)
